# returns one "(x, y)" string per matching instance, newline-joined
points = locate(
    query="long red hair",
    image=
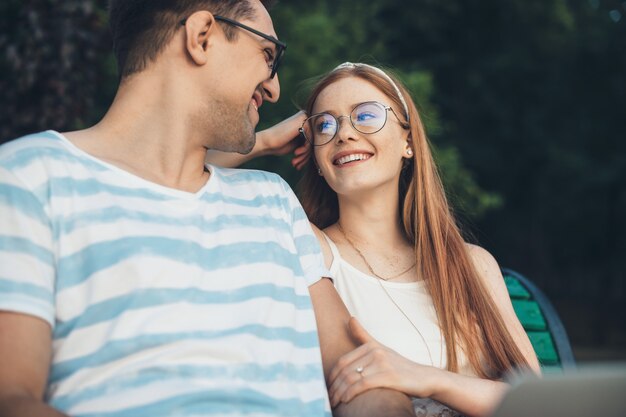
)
(468, 316)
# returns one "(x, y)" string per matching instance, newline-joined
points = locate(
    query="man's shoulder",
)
(252, 177)
(35, 144)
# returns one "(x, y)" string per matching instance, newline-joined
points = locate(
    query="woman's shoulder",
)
(488, 269)
(481, 257)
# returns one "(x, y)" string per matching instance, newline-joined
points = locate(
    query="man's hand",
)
(301, 155)
(280, 139)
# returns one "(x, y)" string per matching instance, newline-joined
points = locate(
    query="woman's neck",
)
(372, 218)
(369, 236)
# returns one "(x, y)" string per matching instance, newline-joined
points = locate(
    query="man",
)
(135, 280)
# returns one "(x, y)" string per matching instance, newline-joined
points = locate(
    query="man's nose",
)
(271, 89)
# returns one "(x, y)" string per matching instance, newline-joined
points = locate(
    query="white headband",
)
(381, 72)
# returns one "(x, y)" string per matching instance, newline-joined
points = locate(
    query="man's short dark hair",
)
(142, 28)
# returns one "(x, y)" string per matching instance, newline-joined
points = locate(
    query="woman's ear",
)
(315, 164)
(408, 149)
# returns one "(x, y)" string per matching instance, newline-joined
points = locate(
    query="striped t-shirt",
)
(161, 302)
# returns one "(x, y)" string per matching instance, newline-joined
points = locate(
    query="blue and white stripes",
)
(161, 302)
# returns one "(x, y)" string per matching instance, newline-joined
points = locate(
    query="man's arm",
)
(25, 352)
(332, 318)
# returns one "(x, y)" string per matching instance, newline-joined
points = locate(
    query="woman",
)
(438, 307)
(434, 316)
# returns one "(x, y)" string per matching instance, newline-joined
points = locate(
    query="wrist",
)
(260, 147)
(433, 382)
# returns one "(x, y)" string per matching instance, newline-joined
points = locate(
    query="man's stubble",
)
(228, 127)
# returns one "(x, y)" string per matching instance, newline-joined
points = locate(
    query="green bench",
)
(541, 322)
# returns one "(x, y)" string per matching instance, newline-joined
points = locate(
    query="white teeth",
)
(352, 157)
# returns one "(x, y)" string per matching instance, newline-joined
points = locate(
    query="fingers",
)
(295, 121)
(291, 125)
(371, 365)
(300, 117)
(298, 163)
(301, 150)
(301, 156)
(347, 392)
(351, 378)
(348, 362)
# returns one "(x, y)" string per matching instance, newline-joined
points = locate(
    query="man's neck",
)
(146, 132)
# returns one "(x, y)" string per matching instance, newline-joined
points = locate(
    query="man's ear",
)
(200, 27)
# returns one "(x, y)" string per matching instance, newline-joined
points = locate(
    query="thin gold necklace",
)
(365, 260)
(430, 356)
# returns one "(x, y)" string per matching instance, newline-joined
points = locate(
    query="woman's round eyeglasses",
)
(368, 117)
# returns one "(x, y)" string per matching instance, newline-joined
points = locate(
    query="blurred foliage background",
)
(524, 101)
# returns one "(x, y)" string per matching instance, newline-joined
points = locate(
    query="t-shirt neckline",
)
(158, 188)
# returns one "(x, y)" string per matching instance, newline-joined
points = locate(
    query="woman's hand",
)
(373, 365)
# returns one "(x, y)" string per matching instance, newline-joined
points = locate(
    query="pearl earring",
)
(409, 152)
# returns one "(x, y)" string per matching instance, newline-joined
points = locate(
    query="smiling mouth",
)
(256, 101)
(351, 158)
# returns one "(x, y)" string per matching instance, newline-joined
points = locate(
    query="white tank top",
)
(367, 301)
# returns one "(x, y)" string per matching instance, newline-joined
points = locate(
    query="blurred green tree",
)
(537, 93)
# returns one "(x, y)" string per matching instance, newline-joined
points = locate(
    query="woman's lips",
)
(347, 157)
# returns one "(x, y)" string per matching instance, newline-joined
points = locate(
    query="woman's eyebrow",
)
(334, 113)
(351, 107)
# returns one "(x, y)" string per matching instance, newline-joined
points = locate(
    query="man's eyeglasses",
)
(273, 57)
(369, 117)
